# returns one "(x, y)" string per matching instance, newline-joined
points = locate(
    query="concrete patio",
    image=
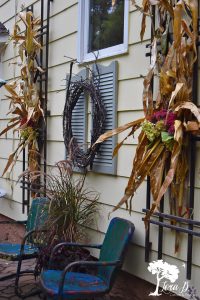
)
(127, 287)
(27, 282)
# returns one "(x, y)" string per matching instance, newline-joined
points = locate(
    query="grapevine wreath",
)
(88, 86)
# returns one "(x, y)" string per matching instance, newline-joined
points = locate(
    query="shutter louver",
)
(103, 162)
(79, 121)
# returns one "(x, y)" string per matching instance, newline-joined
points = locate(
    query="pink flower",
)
(169, 122)
(171, 130)
(169, 118)
(159, 115)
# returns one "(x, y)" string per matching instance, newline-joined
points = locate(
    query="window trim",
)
(83, 35)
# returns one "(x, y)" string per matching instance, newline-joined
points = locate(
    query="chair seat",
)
(76, 285)
(12, 251)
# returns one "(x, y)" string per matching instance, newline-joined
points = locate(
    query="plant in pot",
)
(72, 208)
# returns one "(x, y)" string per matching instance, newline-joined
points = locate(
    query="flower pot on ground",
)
(72, 209)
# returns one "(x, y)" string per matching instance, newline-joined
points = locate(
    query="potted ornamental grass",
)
(72, 209)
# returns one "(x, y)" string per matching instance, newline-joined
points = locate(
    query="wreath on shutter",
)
(90, 86)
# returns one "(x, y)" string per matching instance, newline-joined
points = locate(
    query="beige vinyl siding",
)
(131, 69)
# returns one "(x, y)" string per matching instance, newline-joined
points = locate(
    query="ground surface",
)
(127, 287)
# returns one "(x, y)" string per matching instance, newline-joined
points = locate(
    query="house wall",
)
(131, 67)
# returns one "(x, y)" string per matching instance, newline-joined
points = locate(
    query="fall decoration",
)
(72, 207)
(162, 150)
(75, 89)
(25, 109)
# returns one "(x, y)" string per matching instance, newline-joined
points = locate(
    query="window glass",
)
(106, 21)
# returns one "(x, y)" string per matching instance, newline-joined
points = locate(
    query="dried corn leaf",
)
(9, 127)
(13, 120)
(149, 154)
(121, 143)
(157, 173)
(145, 5)
(11, 159)
(183, 94)
(178, 135)
(166, 84)
(192, 126)
(118, 130)
(178, 10)
(142, 165)
(170, 174)
(192, 36)
(11, 89)
(193, 5)
(179, 86)
(17, 111)
(149, 214)
(40, 69)
(22, 16)
(138, 157)
(147, 93)
(181, 175)
(174, 160)
(189, 106)
(166, 4)
(140, 152)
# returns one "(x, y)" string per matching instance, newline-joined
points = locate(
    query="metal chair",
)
(74, 285)
(28, 247)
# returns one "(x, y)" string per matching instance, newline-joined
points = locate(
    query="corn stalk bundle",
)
(25, 107)
(162, 150)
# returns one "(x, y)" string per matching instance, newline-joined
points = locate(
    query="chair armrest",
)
(65, 244)
(27, 235)
(116, 263)
(92, 264)
(14, 222)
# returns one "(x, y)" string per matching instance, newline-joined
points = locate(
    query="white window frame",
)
(83, 35)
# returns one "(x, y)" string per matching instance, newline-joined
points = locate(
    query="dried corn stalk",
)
(25, 110)
(163, 142)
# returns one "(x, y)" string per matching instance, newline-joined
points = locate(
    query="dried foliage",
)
(162, 151)
(25, 110)
(72, 208)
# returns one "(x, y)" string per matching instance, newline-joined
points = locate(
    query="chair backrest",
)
(37, 214)
(115, 243)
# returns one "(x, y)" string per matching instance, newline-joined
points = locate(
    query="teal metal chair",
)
(28, 248)
(70, 285)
